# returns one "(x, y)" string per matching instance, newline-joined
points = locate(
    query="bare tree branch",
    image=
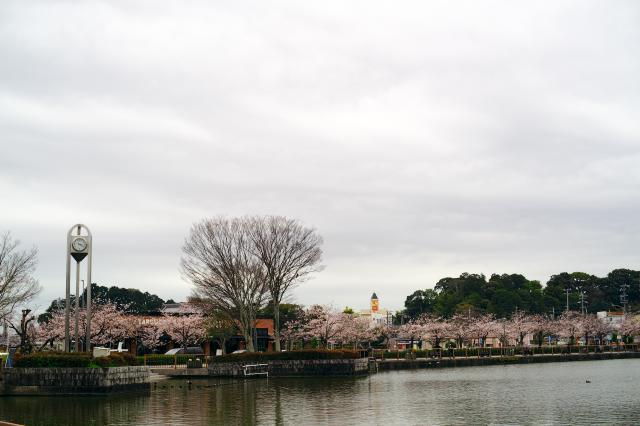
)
(17, 285)
(219, 262)
(289, 252)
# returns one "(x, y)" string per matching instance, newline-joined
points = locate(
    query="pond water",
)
(555, 393)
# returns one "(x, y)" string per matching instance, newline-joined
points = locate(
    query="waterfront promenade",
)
(382, 360)
(411, 363)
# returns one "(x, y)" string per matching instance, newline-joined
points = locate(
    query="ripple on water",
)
(555, 393)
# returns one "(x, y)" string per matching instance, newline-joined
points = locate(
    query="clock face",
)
(79, 244)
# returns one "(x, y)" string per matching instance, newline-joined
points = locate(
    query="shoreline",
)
(426, 363)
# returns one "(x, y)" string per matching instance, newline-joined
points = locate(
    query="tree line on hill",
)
(503, 295)
(129, 300)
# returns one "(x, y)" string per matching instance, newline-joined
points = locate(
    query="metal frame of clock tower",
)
(79, 247)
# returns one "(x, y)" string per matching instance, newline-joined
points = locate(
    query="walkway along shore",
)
(406, 364)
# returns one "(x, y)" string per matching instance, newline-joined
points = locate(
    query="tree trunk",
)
(276, 325)
(247, 322)
(248, 339)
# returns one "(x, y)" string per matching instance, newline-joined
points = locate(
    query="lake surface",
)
(552, 393)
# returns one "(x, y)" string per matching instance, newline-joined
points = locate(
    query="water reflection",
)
(534, 394)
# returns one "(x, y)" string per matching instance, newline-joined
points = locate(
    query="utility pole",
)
(624, 299)
(582, 309)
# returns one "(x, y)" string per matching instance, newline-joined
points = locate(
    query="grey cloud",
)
(422, 139)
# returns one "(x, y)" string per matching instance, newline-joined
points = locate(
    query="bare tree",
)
(218, 260)
(289, 252)
(25, 330)
(17, 285)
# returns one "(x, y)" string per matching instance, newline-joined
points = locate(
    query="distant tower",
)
(374, 303)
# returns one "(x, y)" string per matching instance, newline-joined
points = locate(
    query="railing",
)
(256, 370)
(197, 361)
(501, 352)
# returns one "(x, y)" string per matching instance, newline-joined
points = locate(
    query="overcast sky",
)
(422, 139)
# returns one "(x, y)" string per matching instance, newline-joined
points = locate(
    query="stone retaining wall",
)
(60, 381)
(309, 367)
(181, 372)
(402, 364)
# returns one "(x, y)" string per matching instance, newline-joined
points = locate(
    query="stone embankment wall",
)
(402, 364)
(60, 381)
(315, 367)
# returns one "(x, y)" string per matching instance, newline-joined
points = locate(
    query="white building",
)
(377, 315)
(614, 319)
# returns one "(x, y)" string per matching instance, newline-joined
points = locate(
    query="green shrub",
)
(123, 359)
(292, 355)
(167, 359)
(103, 362)
(116, 359)
(52, 359)
(158, 359)
(73, 359)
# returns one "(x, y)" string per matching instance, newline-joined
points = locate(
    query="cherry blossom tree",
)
(323, 323)
(383, 333)
(151, 334)
(413, 330)
(108, 325)
(434, 329)
(541, 327)
(184, 329)
(630, 326)
(460, 328)
(519, 326)
(355, 330)
(52, 331)
(294, 331)
(144, 330)
(591, 326)
(481, 327)
(602, 330)
(569, 326)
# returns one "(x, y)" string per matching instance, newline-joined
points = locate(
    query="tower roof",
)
(373, 296)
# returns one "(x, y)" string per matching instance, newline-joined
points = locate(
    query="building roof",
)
(180, 308)
(373, 296)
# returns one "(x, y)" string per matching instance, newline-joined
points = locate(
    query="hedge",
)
(179, 359)
(73, 359)
(434, 353)
(288, 356)
(116, 359)
(53, 359)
